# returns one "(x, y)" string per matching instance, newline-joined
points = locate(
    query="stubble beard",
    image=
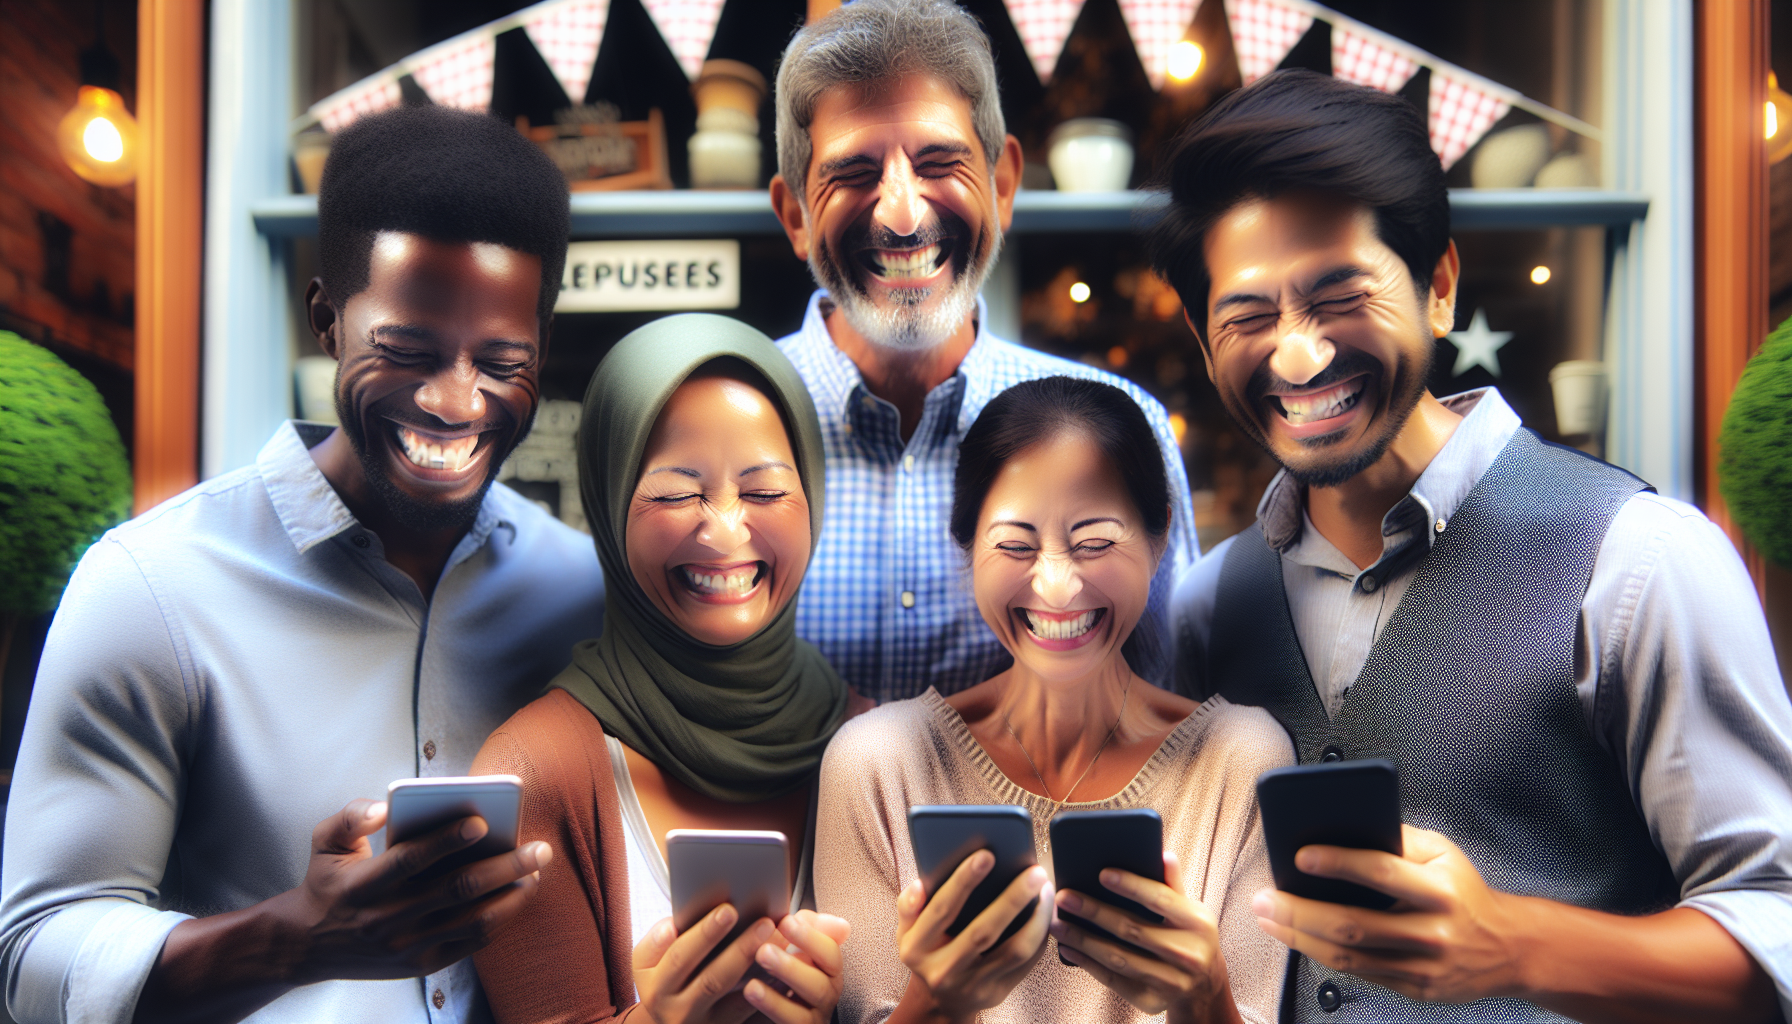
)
(906, 323)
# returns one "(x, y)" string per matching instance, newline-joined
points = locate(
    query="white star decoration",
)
(1478, 346)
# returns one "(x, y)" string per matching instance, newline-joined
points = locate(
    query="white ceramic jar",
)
(1090, 154)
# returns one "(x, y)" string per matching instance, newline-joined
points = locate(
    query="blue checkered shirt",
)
(887, 599)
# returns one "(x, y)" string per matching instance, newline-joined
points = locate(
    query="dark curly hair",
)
(448, 175)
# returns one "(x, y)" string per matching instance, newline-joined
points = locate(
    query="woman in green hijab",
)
(701, 472)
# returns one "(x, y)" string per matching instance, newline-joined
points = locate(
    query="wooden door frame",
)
(1730, 226)
(171, 62)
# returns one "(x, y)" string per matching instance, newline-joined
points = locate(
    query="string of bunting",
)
(1461, 106)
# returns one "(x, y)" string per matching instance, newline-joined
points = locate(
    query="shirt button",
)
(1330, 754)
(1330, 998)
(908, 463)
(1439, 525)
(1368, 584)
(361, 540)
(438, 998)
(908, 599)
(429, 750)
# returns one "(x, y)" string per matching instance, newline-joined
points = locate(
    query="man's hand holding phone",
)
(1174, 967)
(958, 976)
(674, 989)
(1448, 938)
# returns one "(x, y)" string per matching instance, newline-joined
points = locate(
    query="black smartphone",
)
(1086, 842)
(944, 835)
(1343, 803)
(415, 807)
(710, 867)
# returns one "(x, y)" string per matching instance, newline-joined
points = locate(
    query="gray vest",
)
(1469, 690)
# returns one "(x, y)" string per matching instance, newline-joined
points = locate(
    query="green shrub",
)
(63, 475)
(1755, 461)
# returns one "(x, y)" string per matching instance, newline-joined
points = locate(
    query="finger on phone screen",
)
(721, 975)
(404, 861)
(943, 907)
(808, 981)
(690, 947)
(986, 929)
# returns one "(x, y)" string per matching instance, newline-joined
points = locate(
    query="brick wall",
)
(67, 248)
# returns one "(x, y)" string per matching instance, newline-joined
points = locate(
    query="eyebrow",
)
(773, 464)
(1029, 527)
(1097, 519)
(417, 332)
(1335, 276)
(680, 470)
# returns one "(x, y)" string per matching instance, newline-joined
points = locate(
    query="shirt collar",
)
(1488, 424)
(835, 376)
(311, 510)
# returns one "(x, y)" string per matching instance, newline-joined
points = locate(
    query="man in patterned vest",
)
(1571, 673)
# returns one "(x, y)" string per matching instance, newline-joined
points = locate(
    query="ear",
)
(1440, 305)
(1007, 174)
(789, 208)
(321, 317)
(1206, 352)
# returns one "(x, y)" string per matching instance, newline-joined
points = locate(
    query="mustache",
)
(876, 236)
(1346, 364)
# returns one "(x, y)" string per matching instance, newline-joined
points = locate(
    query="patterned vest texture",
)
(1470, 691)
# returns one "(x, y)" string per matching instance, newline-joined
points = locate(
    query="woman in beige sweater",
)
(1062, 509)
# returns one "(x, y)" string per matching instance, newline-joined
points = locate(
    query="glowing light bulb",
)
(98, 138)
(1178, 426)
(1185, 60)
(1539, 275)
(1079, 292)
(1117, 356)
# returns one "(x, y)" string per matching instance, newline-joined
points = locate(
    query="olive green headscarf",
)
(744, 722)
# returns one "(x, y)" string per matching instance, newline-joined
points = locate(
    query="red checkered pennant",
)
(1043, 26)
(1362, 58)
(457, 73)
(1263, 31)
(1157, 25)
(368, 96)
(567, 34)
(1463, 107)
(687, 26)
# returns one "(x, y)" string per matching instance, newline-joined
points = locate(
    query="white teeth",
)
(1061, 629)
(1322, 405)
(735, 581)
(432, 454)
(901, 266)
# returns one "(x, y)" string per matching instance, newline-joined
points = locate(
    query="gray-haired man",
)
(897, 179)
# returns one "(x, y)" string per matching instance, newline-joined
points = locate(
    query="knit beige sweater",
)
(1201, 781)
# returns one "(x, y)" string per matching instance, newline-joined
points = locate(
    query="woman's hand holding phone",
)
(811, 975)
(962, 975)
(672, 993)
(1176, 968)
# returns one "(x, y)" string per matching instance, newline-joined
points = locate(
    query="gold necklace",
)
(1058, 805)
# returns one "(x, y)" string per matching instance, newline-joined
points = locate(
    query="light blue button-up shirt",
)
(887, 599)
(226, 671)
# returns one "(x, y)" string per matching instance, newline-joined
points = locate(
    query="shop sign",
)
(606, 277)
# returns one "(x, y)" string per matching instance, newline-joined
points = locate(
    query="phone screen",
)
(710, 867)
(1085, 843)
(944, 835)
(416, 807)
(1343, 803)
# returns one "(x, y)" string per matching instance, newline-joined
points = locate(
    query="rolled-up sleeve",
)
(1690, 700)
(94, 801)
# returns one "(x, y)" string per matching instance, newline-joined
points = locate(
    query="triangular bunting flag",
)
(687, 26)
(1157, 25)
(457, 73)
(567, 34)
(1362, 58)
(368, 96)
(1263, 31)
(1462, 109)
(1043, 26)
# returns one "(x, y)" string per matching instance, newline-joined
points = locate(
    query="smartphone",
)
(944, 835)
(1084, 843)
(416, 807)
(710, 867)
(1343, 803)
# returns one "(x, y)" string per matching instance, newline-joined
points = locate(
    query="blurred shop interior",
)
(1615, 246)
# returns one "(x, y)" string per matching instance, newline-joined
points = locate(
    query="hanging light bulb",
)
(98, 138)
(1185, 60)
(1779, 121)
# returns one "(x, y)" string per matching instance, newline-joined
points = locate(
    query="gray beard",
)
(904, 325)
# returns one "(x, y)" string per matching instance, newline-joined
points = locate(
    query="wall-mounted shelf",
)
(683, 213)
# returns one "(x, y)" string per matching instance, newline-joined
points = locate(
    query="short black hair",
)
(1038, 410)
(445, 174)
(1295, 130)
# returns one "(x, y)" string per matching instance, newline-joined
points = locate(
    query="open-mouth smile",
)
(721, 584)
(1062, 631)
(439, 456)
(1316, 407)
(906, 267)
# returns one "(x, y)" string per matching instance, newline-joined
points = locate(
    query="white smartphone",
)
(415, 807)
(710, 867)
